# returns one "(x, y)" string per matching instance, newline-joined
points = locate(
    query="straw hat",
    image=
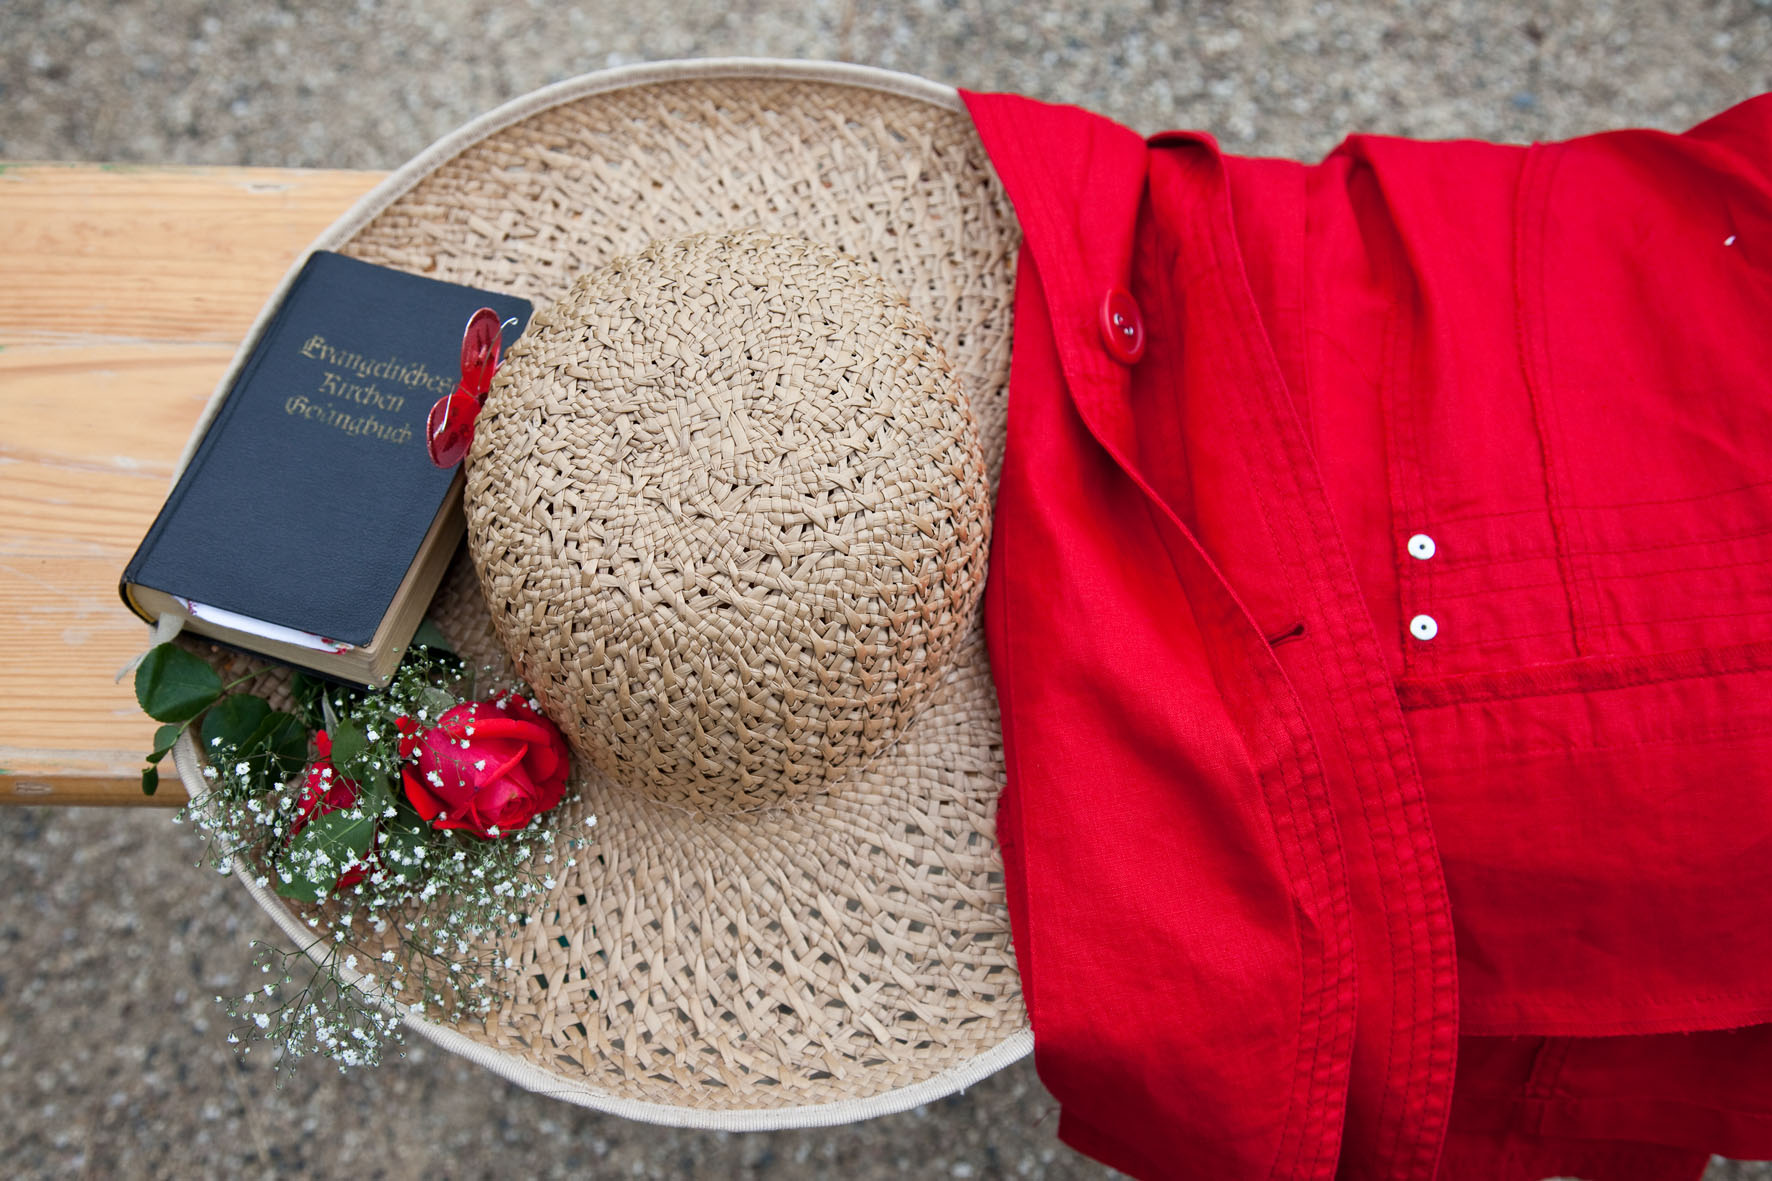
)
(728, 502)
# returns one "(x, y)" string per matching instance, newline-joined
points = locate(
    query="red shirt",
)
(1381, 617)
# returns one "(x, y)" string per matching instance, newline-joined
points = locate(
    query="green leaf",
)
(174, 686)
(283, 741)
(436, 701)
(338, 835)
(234, 719)
(348, 743)
(307, 692)
(429, 635)
(372, 792)
(150, 781)
(334, 835)
(399, 844)
(164, 737)
(301, 889)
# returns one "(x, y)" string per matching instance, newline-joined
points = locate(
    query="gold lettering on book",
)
(351, 424)
(364, 395)
(410, 373)
(351, 387)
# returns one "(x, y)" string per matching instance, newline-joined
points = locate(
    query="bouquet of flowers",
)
(407, 826)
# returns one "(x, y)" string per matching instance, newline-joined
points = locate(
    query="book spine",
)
(243, 380)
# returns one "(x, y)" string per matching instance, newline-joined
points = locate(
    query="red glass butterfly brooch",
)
(450, 426)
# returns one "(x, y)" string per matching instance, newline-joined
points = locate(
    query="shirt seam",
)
(1335, 1071)
(1421, 925)
(1606, 673)
(1330, 891)
(1527, 233)
(1758, 1013)
(1065, 321)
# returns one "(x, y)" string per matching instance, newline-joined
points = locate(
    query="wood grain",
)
(125, 292)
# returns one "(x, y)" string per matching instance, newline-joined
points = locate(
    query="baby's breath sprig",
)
(405, 916)
(327, 1015)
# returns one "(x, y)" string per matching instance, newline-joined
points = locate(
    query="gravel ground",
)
(112, 944)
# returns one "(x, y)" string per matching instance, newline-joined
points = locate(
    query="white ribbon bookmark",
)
(164, 629)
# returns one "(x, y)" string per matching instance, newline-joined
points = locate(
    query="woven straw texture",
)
(730, 513)
(775, 919)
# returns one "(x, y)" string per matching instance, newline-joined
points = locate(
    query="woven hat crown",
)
(729, 508)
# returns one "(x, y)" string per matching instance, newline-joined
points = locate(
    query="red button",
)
(1122, 327)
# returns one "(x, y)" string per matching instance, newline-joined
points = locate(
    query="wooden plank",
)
(182, 254)
(127, 292)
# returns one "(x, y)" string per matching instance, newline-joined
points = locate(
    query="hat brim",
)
(847, 954)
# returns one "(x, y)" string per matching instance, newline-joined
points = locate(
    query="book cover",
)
(309, 496)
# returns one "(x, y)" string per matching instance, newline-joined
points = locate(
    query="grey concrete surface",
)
(112, 943)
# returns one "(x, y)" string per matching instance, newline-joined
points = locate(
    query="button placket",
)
(1423, 627)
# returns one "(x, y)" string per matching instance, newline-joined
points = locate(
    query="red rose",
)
(488, 767)
(323, 791)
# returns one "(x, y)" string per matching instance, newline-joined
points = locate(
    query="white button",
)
(1422, 546)
(1424, 627)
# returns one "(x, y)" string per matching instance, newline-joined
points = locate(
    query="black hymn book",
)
(310, 525)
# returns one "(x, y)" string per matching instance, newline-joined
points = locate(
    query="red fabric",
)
(1296, 892)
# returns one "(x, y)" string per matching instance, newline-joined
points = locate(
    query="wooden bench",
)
(124, 291)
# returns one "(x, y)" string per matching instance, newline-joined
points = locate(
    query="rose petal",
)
(496, 725)
(512, 766)
(479, 822)
(549, 766)
(502, 761)
(550, 792)
(518, 811)
(426, 804)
